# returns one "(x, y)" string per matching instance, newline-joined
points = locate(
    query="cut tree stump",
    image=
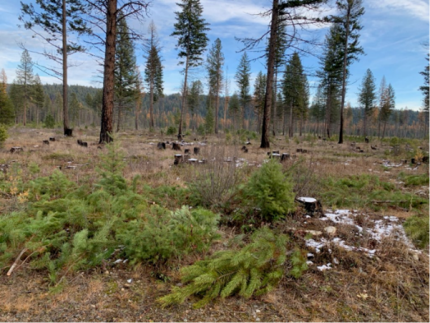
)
(311, 205)
(16, 149)
(178, 159)
(196, 150)
(285, 157)
(176, 146)
(161, 145)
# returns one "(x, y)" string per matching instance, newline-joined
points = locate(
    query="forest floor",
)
(367, 270)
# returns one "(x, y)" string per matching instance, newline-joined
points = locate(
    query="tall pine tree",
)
(215, 62)
(243, 76)
(367, 97)
(153, 71)
(57, 18)
(190, 29)
(125, 69)
(25, 79)
(350, 12)
(425, 90)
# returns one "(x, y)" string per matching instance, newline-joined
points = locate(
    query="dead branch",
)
(16, 262)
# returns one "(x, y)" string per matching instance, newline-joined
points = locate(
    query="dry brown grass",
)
(390, 287)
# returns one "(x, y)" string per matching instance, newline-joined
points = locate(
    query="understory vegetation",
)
(60, 224)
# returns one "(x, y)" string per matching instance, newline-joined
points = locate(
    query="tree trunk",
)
(119, 116)
(275, 92)
(345, 56)
(108, 77)
(151, 105)
(217, 104)
(65, 95)
(265, 143)
(184, 98)
(364, 123)
(290, 128)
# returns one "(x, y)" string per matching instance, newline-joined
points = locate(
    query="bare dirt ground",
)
(393, 285)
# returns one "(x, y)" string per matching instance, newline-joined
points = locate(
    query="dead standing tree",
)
(283, 12)
(104, 17)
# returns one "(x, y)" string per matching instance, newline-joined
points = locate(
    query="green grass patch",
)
(414, 180)
(367, 191)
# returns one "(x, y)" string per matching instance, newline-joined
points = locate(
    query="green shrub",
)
(49, 122)
(163, 235)
(171, 131)
(271, 191)
(201, 130)
(417, 228)
(3, 135)
(414, 180)
(253, 270)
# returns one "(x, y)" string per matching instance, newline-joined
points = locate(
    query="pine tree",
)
(243, 76)
(348, 20)
(387, 105)
(38, 97)
(194, 98)
(331, 75)
(215, 62)
(425, 90)
(105, 14)
(75, 107)
(295, 91)
(192, 40)
(153, 71)
(317, 109)
(124, 72)
(259, 95)
(7, 114)
(25, 79)
(57, 18)
(234, 108)
(367, 97)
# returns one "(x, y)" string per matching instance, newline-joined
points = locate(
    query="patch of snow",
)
(324, 267)
(307, 199)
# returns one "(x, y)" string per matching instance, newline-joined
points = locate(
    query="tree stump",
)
(196, 150)
(311, 205)
(176, 146)
(16, 150)
(178, 159)
(46, 142)
(51, 138)
(186, 151)
(426, 159)
(285, 157)
(366, 140)
(161, 145)
(68, 132)
(299, 150)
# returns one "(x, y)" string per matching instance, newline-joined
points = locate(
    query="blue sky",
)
(392, 37)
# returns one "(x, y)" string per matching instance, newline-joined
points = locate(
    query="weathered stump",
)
(16, 150)
(161, 145)
(68, 132)
(366, 140)
(178, 159)
(46, 142)
(299, 150)
(311, 205)
(176, 146)
(285, 157)
(51, 139)
(196, 150)
(186, 151)
(243, 148)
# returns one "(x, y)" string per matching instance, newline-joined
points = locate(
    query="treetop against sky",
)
(393, 37)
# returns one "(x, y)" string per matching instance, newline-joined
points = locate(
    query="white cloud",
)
(416, 8)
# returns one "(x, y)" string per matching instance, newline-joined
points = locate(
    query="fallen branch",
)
(16, 262)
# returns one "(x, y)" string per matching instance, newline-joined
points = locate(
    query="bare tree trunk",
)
(265, 143)
(66, 126)
(151, 105)
(108, 77)
(345, 57)
(275, 92)
(290, 129)
(184, 98)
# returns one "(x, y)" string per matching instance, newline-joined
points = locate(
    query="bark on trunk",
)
(265, 143)
(108, 77)
(184, 98)
(345, 56)
(66, 126)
